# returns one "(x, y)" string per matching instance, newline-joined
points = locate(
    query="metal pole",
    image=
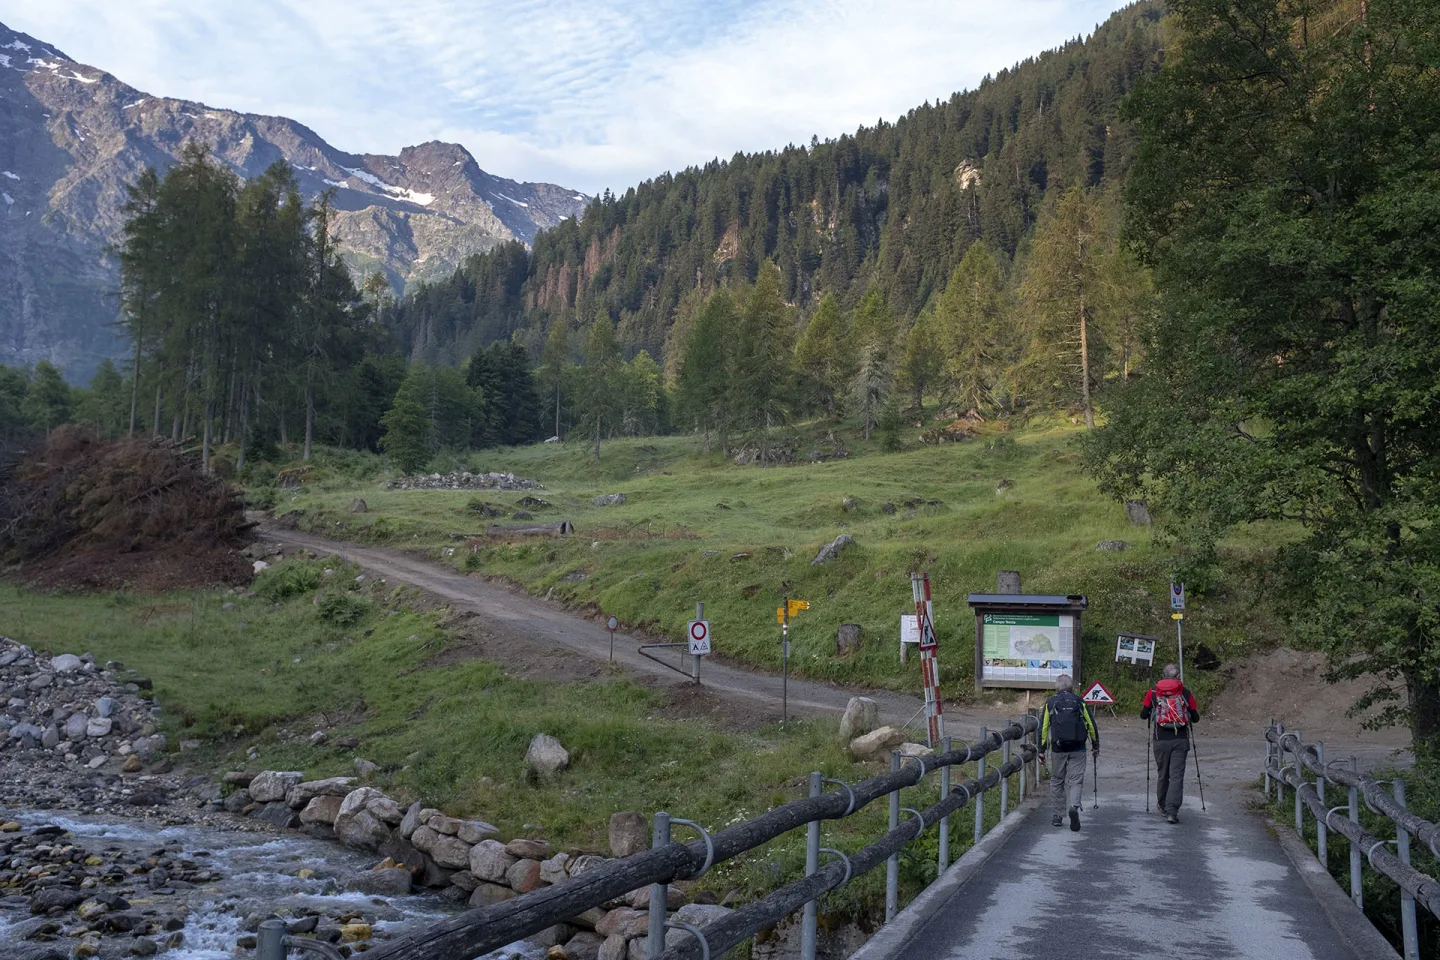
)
(655, 940)
(785, 662)
(1322, 832)
(1409, 934)
(1024, 768)
(271, 942)
(892, 865)
(1356, 893)
(695, 657)
(1299, 810)
(1280, 758)
(1269, 752)
(980, 775)
(945, 820)
(1004, 780)
(1180, 646)
(812, 863)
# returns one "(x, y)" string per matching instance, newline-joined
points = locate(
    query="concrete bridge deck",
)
(1218, 885)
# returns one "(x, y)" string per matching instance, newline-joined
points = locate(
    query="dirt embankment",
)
(84, 513)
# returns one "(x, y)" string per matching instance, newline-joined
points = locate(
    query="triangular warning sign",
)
(1097, 694)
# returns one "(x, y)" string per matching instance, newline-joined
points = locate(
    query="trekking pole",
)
(1199, 779)
(1148, 736)
(1095, 781)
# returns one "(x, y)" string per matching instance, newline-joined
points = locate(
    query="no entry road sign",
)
(699, 631)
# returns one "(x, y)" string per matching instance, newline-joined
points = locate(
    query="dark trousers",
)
(1170, 769)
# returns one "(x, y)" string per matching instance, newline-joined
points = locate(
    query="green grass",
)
(1007, 501)
(319, 651)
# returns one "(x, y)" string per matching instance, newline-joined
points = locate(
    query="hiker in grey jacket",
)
(1067, 723)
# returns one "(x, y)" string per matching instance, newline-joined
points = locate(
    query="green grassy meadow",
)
(962, 512)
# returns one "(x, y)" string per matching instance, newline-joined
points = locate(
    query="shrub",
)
(289, 579)
(343, 609)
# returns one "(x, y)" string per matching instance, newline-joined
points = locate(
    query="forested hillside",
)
(895, 204)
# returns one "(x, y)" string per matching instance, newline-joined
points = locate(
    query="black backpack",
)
(1067, 722)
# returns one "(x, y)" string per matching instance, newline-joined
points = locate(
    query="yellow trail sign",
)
(795, 606)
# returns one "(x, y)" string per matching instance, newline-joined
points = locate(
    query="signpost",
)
(1177, 604)
(909, 633)
(611, 625)
(699, 637)
(929, 665)
(1097, 694)
(782, 616)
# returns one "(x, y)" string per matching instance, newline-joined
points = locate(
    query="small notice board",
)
(1135, 648)
(1025, 641)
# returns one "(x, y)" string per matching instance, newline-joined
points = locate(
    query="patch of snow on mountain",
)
(9, 200)
(578, 196)
(360, 173)
(16, 45)
(45, 64)
(7, 173)
(402, 193)
(76, 76)
(512, 200)
(135, 104)
(424, 199)
(333, 183)
(4, 60)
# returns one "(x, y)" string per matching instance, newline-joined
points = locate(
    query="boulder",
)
(862, 715)
(614, 948)
(382, 882)
(584, 864)
(449, 826)
(465, 880)
(640, 899)
(98, 727)
(321, 810)
(696, 914)
(424, 839)
(235, 803)
(629, 833)
(355, 801)
(876, 743)
(915, 750)
(1007, 582)
(528, 849)
(50, 739)
(488, 893)
(56, 898)
(386, 810)
(364, 769)
(75, 727)
(833, 549)
(271, 785)
(302, 793)
(1138, 511)
(66, 663)
(278, 813)
(473, 831)
(105, 707)
(625, 922)
(451, 852)
(358, 506)
(546, 757)
(554, 869)
(1111, 546)
(411, 821)
(361, 829)
(523, 876)
(403, 854)
(435, 876)
(609, 500)
(583, 946)
(847, 639)
(489, 860)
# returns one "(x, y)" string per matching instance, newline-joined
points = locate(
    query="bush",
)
(288, 579)
(343, 609)
(261, 498)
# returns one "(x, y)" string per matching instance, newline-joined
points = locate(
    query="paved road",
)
(526, 619)
(1218, 886)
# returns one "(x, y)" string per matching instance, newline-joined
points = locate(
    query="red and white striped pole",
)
(929, 665)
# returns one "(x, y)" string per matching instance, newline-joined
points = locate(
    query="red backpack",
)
(1170, 708)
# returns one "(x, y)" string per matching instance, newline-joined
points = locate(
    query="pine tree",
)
(601, 387)
(762, 389)
(408, 431)
(104, 405)
(971, 330)
(702, 383)
(873, 331)
(824, 356)
(555, 368)
(922, 363)
(47, 402)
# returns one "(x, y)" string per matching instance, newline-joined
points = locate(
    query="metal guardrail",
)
(487, 928)
(1364, 847)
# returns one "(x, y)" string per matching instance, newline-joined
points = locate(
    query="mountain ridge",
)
(73, 136)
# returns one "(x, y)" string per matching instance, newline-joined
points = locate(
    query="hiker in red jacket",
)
(1171, 710)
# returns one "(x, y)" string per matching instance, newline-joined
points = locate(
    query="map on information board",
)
(1027, 646)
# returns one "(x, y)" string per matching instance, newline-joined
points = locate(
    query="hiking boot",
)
(1055, 821)
(1075, 818)
(1171, 818)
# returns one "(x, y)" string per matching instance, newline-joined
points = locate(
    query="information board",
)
(1034, 647)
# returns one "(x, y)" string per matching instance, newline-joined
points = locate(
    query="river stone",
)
(488, 893)
(105, 706)
(270, 785)
(586, 863)
(66, 663)
(528, 849)
(434, 875)
(41, 681)
(56, 898)
(424, 839)
(404, 854)
(382, 882)
(489, 861)
(235, 803)
(614, 948)
(640, 899)
(629, 833)
(553, 870)
(98, 727)
(546, 757)
(302, 793)
(361, 829)
(426, 813)
(75, 727)
(625, 922)
(876, 743)
(451, 852)
(523, 875)
(22, 731)
(449, 826)
(696, 914)
(355, 801)
(473, 831)
(279, 813)
(465, 880)
(583, 946)
(385, 809)
(50, 739)
(587, 919)
(411, 821)
(321, 810)
(861, 716)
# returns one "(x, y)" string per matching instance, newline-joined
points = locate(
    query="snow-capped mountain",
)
(72, 137)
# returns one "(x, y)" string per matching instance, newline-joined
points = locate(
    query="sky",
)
(585, 93)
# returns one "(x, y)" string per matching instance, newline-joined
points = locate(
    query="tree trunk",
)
(156, 430)
(135, 388)
(1424, 713)
(597, 438)
(309, 420)
(284, 429)
(205, 444)
(244, 422)
(557, 405)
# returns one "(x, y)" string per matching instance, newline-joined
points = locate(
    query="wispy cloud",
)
(588, 93)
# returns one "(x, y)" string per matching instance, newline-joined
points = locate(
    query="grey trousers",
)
(1170, 773)
(1067, 780)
